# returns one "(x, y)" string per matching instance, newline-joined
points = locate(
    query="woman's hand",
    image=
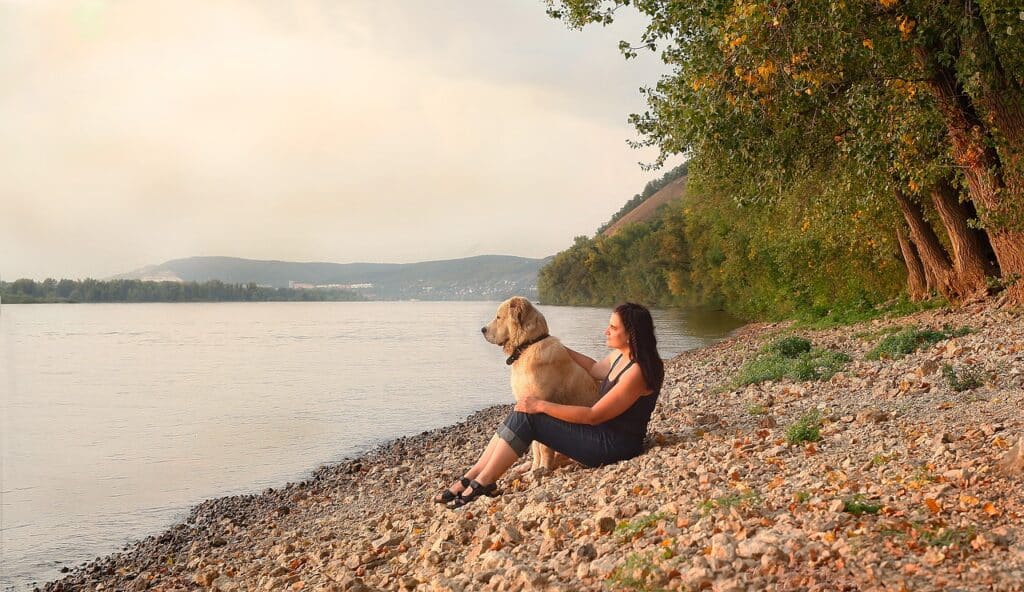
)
(529, 405)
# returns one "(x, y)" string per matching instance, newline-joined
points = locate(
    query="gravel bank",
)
(902, 492)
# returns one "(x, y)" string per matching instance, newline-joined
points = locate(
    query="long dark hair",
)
(643, 345)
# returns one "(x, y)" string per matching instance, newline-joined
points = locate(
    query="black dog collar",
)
(519, 350)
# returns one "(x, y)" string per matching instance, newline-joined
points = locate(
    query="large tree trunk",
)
(998, 205)
(916, 287)
(970, 265)
(999, 99)
(938, 269)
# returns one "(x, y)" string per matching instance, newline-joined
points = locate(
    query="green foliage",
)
(858, 505)
(804, 121)
(947, 537)
(90, 290)
(650, 189)
(966, 378)
(631, 528)
(639, 572)
(791, 357)
(910, 340)
(640, 262)
(734, 500)
(757, 410)
(805, 429)
(788, 347)
(710, 250)
(841, 317)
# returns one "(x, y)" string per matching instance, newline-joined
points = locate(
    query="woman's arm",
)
(593, 367)
(615, 402)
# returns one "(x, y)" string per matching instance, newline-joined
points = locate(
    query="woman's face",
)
(615, 335)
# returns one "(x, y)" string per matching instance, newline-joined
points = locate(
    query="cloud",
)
(369, 131)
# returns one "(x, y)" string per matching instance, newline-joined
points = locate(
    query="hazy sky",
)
(334, 130)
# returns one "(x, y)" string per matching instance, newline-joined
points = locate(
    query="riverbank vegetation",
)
(842, 155)
(27, 291)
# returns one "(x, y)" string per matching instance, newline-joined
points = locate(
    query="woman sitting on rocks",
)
(613, 429)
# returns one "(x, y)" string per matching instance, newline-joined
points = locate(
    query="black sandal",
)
(448, 496)
(478, 490)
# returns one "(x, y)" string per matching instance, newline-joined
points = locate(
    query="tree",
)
(915, 96)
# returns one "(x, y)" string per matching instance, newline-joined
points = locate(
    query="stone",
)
(586, 552)
(723, 548)
(1012, 462)
(388, 540)
(206, 577)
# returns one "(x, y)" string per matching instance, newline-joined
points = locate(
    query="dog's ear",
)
(533, 323)
(517, 307)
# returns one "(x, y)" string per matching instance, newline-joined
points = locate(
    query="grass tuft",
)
(912, 339)
(631, 528)
(964, 379)
(789, 358)
(733, 500)
(805, 429)
(788, 347)
(858, 505)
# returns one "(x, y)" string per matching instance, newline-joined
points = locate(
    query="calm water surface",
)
(116, 418)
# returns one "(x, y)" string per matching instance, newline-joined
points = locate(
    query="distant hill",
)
(487, 277)
(646, 209)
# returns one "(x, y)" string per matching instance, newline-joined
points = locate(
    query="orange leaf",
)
(990, 509)
(932, 505)
(968, 500)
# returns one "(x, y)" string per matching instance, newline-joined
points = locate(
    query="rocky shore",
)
(902, 490)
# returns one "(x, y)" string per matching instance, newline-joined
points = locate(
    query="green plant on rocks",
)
(791, 357)
(858, 505)
(947, 537)
(638, 572)
(788, 347)
(964, 379)
(733, 500)
(912, 339)
(630, 528)
(805, 429)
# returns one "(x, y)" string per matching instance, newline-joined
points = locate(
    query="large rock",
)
(1013, 461)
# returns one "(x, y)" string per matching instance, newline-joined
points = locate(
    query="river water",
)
(115, 419)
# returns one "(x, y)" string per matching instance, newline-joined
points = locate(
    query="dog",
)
(541, 365)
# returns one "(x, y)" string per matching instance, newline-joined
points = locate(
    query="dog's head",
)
(515, 323)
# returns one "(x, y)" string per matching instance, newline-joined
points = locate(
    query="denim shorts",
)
(591, 445)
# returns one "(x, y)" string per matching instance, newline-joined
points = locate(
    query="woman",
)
(613, 429)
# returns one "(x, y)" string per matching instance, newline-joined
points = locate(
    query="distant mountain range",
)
(487, 277)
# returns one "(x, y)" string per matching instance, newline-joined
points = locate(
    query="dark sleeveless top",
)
(634, 420)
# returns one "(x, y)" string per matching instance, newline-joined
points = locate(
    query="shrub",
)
(857, 506)
(910, 340)
(629, 529)
(813, 364)
(806, 429)
(965, 379)
(733, 500)
(788, 347)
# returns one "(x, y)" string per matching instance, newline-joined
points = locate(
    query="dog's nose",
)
(483, 329)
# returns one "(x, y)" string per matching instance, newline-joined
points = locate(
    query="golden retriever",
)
(541, 366)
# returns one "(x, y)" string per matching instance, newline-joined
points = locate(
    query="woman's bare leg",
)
(474, 471)
(500, 457)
